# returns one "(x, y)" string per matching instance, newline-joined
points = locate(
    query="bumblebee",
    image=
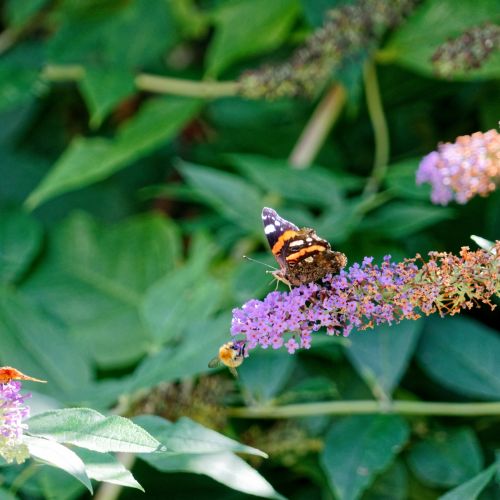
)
(231, 354)
(7, 373)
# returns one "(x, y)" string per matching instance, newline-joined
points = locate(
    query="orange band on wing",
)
(281, 240)
(304, 251)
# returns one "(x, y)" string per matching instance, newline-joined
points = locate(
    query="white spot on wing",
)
(269, 229)
(308, 239)
(296, 243)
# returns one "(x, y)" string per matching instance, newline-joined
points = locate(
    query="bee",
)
(231, 354)
(7, 373)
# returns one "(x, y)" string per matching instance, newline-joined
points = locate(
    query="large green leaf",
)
(400, 179)
(433, 24)
(248, 27)
(224, 467)
(314, 186)
(18, 13)
(95, 279)
(36, 344)
(446, 458)
(105, 467)
(461, 354)
(53, 453)
(400, 219)
(19, 79)
(382, 355)
(197, 346)
(89, 429)
(103, 89)
(358, 448)
(266, 374)
(55, 483)
(108, 33)
(89, 160)
(187, 436)
(227, 193)
(471, 489)
(392, 484)
(20, 239)
(185, 293)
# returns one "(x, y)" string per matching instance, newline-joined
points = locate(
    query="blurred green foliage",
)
(124, 216)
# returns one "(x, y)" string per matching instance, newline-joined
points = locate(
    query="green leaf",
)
(103, 89)
(471, 489)
(390, 485)
(108, 34)
(431, 25)
(55, 483)
(106, 467)
(381, 356)
(400, 180)
(446, 458)
(187, 436)
(461, 354)
(266, 374)
(20, 79)
(199, 344)
(88, 160)
(5, 494)
(227, 193)
(249, 27)
(188, 292)
(224, 467)
(37, 345)
(358, 448)
(53, 453)
(398, 219)
(89, 429)
(18, 13)
(316, 186)
(20, 240)
(95, 279)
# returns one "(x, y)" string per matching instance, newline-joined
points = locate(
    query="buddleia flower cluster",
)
(467, 51)
(347, 31)
(369, 294)
(461, 170)
(12, 413)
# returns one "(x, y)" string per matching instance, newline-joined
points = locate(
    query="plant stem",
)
(151, 83)
(380, 129)
(314, 134)
(367, 407)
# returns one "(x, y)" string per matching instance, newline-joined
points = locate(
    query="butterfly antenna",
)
(259, 262)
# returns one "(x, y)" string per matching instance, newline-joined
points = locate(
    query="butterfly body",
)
(302, 255)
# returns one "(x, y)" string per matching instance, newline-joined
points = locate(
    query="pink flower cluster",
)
(12, 412)
(368, 294)
(463, 169)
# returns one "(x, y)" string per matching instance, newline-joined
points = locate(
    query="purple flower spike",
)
(12, 412)
(370, 294)
(459, 171)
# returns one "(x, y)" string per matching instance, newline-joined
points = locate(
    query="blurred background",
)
(139, 141)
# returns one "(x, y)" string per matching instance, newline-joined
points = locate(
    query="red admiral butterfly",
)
(302, 255)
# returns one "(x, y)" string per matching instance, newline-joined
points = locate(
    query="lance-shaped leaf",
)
(89, 429)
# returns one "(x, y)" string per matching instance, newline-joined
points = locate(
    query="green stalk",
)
(380, 129)
(151, 83)
(314, 134)
(368, 407)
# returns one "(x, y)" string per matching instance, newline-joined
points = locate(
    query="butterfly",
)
(302, 255)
